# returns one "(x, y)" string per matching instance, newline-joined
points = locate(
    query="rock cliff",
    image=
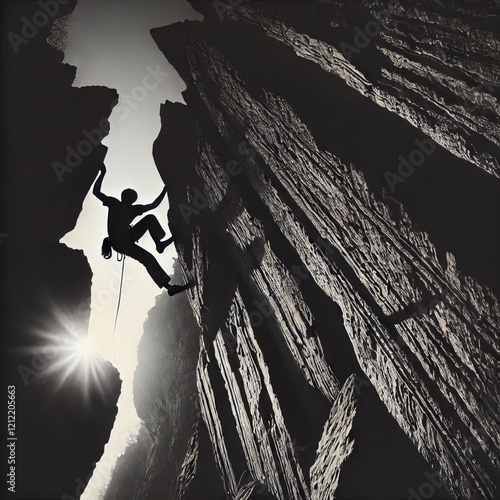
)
(51, 134)
(350, 330)
(172, 442)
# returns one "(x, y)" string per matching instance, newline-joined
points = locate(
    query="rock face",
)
(328, 317)
(435, 67)
(172, 442)
(48, 167)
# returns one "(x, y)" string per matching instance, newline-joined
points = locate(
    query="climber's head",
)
(129, 196)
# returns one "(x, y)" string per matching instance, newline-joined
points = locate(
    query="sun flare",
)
(67, 355)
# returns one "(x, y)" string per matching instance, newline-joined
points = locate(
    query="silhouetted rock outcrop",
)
(51, 153)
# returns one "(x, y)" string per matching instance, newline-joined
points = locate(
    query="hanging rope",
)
(122, 260)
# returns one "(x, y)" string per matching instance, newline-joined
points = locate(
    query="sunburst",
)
(68, 356)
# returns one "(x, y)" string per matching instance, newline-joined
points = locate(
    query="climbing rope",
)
(122, 260)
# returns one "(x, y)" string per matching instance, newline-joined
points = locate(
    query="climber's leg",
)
(150, 223)
(160, 277)
(175, 289)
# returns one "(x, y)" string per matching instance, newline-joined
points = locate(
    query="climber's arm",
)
(98, 186)
(156, 203)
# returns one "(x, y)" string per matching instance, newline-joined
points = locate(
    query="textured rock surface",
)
(436, 67)
(168, 456)
(335, 445)
(62, 427)
(305, 275)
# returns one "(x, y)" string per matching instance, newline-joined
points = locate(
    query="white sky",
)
(110, 45)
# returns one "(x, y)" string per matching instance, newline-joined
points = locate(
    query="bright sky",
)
(110, 45)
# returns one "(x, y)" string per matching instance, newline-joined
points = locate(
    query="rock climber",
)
(122, 235)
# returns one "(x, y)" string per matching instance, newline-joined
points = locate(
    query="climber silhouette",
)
(122, 236)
